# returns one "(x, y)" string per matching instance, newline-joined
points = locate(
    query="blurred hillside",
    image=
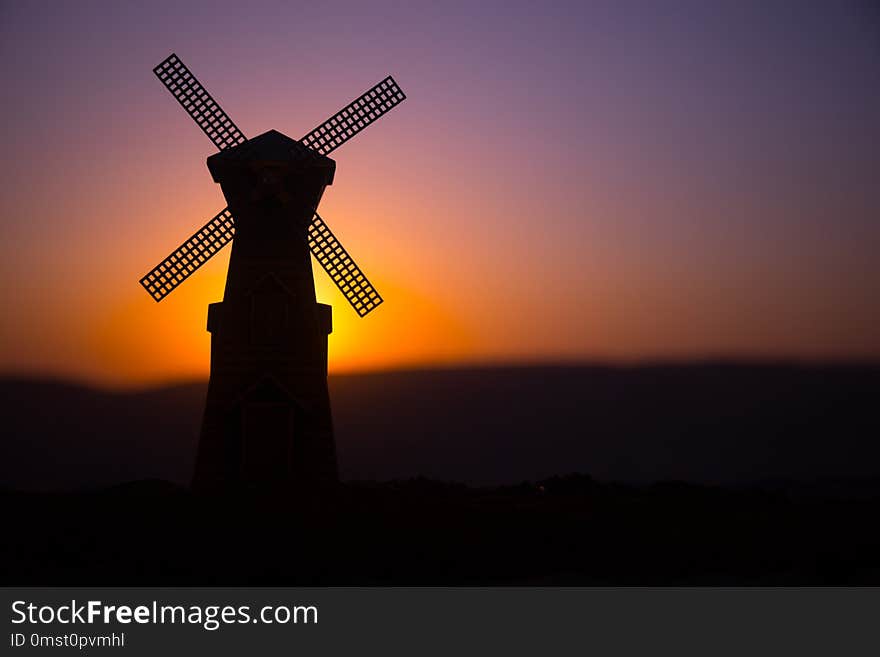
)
(711, 423)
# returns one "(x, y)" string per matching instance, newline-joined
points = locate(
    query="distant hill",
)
(710, 423)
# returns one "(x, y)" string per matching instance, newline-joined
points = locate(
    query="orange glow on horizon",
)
(135, 340)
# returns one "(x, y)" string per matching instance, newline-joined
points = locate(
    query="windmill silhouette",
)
(267, 414)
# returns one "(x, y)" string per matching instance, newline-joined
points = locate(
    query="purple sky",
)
(579, 180)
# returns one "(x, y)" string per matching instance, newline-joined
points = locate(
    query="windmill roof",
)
(270, 148)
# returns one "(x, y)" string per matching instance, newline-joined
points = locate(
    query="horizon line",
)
(147, 384)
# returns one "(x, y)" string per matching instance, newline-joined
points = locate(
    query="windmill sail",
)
(189, 256)
(198, 103)
(341, 269)
(220, 229)
(354, 117)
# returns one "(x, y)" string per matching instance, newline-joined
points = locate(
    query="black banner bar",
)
(452, 621)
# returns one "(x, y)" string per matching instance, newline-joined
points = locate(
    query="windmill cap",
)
(270, 149)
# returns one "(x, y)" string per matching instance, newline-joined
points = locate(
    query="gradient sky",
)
(567, 181)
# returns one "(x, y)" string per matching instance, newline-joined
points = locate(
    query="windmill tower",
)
(267, 415)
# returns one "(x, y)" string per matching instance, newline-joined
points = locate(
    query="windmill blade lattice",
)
(198, 103)
(219, 231)
(189, 256)
(354, 117)
(341, 269)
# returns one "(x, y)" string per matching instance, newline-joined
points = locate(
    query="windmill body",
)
(267, 418)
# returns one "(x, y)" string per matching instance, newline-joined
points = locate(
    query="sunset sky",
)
(613, 182)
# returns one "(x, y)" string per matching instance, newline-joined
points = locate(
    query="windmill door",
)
(267, 439)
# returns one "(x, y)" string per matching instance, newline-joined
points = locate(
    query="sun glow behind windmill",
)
(267, 416)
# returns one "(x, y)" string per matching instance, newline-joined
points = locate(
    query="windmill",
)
(267, 413)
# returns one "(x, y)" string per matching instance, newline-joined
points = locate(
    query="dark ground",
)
(784, 465)
(421, 532)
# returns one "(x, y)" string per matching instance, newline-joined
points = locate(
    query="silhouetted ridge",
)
(703, 423)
